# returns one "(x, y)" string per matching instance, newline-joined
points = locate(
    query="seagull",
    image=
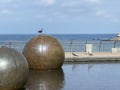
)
(74, 54)
(40, 31)
(90, 53)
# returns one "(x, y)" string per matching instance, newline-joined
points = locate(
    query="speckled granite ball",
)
(13, 69)
(44, 52)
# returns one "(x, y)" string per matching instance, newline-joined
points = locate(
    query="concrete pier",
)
(91, 57)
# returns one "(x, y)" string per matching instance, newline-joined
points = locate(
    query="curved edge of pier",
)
(91, 57)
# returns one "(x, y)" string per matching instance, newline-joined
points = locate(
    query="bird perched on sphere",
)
(40, 31)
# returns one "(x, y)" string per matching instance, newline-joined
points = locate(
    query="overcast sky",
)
(59, 16)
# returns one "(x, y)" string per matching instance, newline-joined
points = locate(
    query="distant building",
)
(118, 34)
(117, 38)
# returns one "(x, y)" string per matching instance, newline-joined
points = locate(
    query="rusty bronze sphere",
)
(44, 52)
(13, 69)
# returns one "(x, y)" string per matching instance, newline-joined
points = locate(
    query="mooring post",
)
(100, 46)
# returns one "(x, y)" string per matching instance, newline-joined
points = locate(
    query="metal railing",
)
(14, 44)
(71, 45)
(98, 46)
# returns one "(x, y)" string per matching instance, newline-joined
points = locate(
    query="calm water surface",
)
(90, 76)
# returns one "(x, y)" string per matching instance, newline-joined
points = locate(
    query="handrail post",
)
(10, 44)
(100, 46)
(115, 44)
(71, 46)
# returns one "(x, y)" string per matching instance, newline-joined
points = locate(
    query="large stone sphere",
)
(44, 52)
(13, 69)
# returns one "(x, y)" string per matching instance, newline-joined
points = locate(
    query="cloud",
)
(88, 8)
(81, 6)
(76, 3)
(102, 13)
(5, 1)
(94, 1)
(48, 2)
(45, 2)
(71, 4)
(5, 12)
(106, 15)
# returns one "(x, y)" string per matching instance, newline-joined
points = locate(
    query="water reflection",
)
(90, 66)
(77, 76)
(45, 80)
(92, 76)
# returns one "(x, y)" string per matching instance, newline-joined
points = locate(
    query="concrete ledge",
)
(94, 57)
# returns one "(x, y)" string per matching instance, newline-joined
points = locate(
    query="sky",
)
(60, 16)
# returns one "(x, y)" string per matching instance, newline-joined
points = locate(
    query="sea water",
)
(70, 42)
(26, 37)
